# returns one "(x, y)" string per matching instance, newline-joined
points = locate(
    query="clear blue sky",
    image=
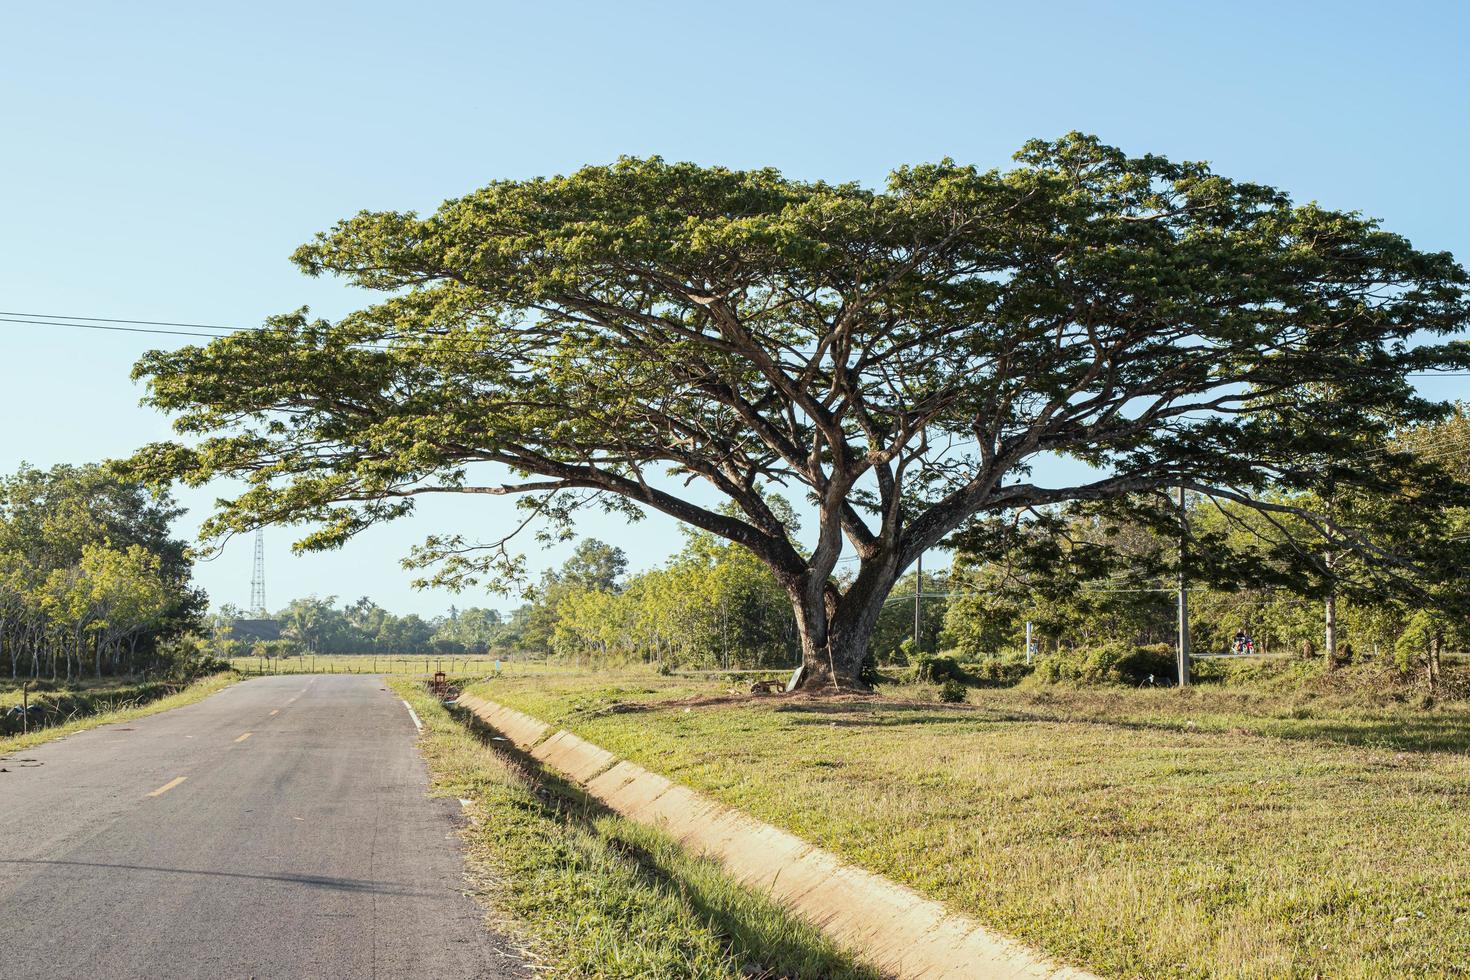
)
(160, 161)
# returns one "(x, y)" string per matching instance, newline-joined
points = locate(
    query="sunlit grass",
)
(594, 895)
(1138, 833)
(391, 664)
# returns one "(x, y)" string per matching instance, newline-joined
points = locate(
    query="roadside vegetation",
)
(87, 706)
(1134, 832)
(593, 895)
(92, 583)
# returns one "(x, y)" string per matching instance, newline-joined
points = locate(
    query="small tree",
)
(902, 357)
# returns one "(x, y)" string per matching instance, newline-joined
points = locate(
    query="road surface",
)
(278, 829)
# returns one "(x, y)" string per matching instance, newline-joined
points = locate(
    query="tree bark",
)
(836, 631)
(1436, 643)
(1329, 630)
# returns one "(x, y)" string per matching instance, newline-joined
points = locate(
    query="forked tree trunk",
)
(835, 632)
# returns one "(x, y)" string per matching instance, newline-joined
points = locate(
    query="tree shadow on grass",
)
(753, 938)
(1425, 732)
(894, 714)
(1428, 733)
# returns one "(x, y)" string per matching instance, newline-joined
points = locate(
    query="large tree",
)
(902, 357)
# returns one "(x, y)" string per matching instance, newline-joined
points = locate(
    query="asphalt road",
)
(277, 829)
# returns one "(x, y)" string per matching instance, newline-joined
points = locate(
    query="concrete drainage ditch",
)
(887, 924)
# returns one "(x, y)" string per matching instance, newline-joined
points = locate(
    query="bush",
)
(1049, 670)
(185, 658)
(1139, 663)
(998, 671)
(935, 668)
(952, 692)
(1111, 663)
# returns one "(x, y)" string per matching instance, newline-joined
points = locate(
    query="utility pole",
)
(918, 595)
(1183, 597)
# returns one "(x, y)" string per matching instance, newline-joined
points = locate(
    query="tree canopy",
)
(88, 572)
(900, 358)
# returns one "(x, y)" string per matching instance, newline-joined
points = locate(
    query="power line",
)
(99, 323)
(120, 329)
(113, 319)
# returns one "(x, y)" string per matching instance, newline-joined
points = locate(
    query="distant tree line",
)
(317, 624)
(711, 604)
(91, 581)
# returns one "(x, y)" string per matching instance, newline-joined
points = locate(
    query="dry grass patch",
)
(1129, 835)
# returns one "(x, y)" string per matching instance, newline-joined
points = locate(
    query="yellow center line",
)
(168, 786)
(244, 737)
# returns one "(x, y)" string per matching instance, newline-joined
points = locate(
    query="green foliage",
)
(935, 668)
(1111, 663)
(892, 642)
(899, 357)
(711, 605)
(1000, 671)
(952, 692)
(186, 658)
(90, 579)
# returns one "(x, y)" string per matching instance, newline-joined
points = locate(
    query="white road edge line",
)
(412, 714)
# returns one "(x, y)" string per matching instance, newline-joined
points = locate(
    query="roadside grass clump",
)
(594, 895)
(952, 692)
(107, 703)
(1135, 832)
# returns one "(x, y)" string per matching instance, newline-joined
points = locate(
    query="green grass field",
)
(394, 664)
(1213, 832)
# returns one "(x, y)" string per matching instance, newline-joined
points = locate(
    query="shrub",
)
(998, 671)
(935, 668)
(952, 692)
(1110, 663)
(1049, 670)
(1139, 663)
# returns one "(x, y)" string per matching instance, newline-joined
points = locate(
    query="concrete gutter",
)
(885, 923)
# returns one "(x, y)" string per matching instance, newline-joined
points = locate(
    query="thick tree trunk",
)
(835, 666)
(835, 633)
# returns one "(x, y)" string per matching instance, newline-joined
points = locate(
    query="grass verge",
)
(594, 895)
(1136, 833)
(195, 691)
